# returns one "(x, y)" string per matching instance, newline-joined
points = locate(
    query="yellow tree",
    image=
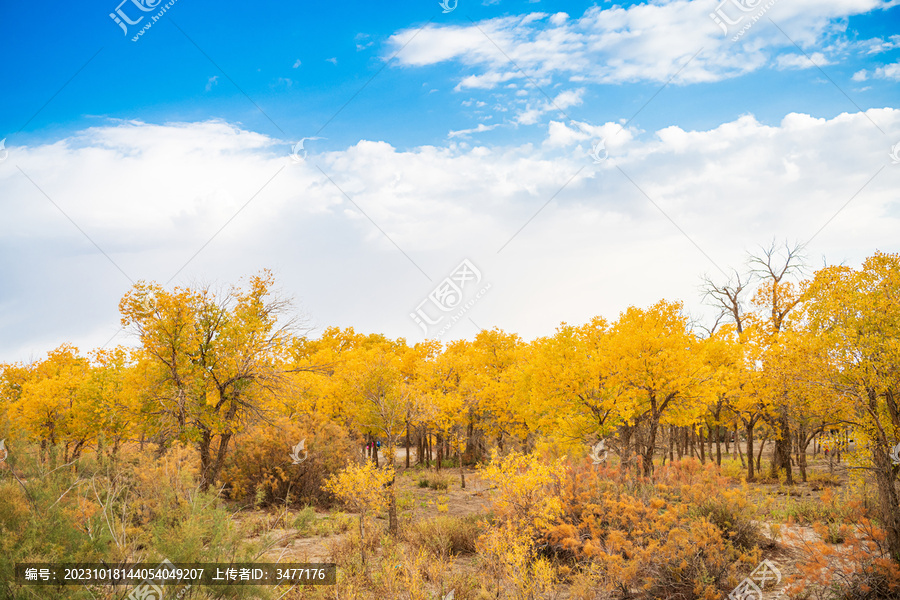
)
(111, 389)
(526, 503)
(212, 359)
(363, 489)
(373, 376)
(13, 377)
(54, 406)
(572, 396)
(799, 371)
(654, 363)
(774, 300)
(313, 366)
(491, 383)
(722, 353)
(418, 371)
(753, 399)
(856, 312)
(445, 407)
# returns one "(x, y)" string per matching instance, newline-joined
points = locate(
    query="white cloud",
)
(643, 42)
(332, 60)
(799, 61)
(363, 41)
(483, 82)
(297, 64)
(151, 196)
(559, 18)
(614, 136)
(531, 114)
(465, 132)
(891, 71)
(879, 45)
(214, 80)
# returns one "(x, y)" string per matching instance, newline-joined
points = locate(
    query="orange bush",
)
(655, 538)
(261, 470)
(849, 562)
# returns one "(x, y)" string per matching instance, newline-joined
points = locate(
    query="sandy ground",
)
(417, 503)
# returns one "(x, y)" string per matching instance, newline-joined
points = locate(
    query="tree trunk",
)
(781, 457)
(751, 476)
(393, 525)
(692, 441)
(702, 443)
(420, 448)
(203, 449)
(719, 445)
(679, 442)
(390, 459)
(210, 466)
(626, 432)
(888, 501)
(407, 445)
(362, 539)
(728, 440)
(439, 440)
(803, 444)
(671, 443)
(650, 447)
(762, 445)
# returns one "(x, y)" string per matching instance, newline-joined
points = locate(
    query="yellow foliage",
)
(524, 496)
(361, 487)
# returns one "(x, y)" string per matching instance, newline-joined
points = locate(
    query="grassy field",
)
(583, 531)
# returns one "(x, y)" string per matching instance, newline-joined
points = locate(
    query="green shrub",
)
(446, 535)
(439, 482)
(140, 508)
(435, 481)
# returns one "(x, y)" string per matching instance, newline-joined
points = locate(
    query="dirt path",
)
(289, 544)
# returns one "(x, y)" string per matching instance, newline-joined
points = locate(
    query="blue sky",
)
(443, 134)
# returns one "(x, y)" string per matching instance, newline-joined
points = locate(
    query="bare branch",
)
(727, 298)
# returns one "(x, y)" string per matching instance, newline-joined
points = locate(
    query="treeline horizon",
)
(214, 369)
